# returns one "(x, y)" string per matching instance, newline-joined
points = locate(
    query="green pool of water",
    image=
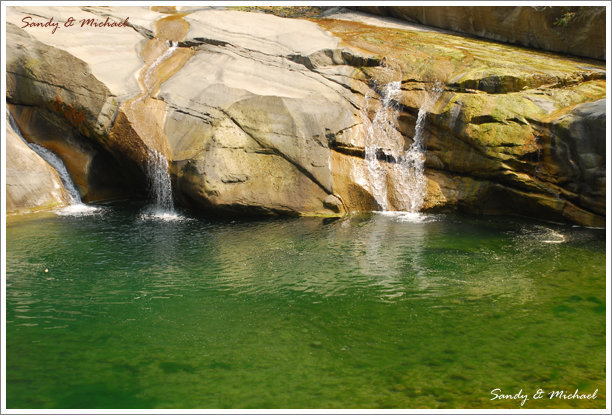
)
(369, 311)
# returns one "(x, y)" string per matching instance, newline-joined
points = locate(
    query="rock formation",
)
(578, 31)
(59, 104)
(31, 183)
(263, 115)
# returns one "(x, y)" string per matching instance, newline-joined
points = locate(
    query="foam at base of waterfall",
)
(549, 236)
(78, 209)
(413, 217)
(162, 215)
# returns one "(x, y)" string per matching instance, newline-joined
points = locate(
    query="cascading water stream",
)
(396, 175)
(149, 82)
(411, 164)
(383, 137)
(76, 205)
(160, 184)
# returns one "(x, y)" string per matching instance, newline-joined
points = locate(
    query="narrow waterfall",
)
(55, 162)
(412, 186)
(383, 138)
(395, 174)
(160, 185)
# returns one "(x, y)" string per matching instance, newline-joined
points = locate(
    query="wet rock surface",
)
(258, 114)
(31, 183)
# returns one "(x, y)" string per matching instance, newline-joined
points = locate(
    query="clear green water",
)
(363, 312)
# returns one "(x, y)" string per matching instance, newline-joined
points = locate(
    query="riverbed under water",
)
(368, 311)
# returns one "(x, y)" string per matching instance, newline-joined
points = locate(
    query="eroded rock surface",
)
(578, 31)
(248, 123)
(263, 115)
(498, 137)
(31, 183)
(59, 104)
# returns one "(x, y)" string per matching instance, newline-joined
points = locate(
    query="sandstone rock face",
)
(244, 125)
(580, 32)
(498, 136)
(59, 104)
(258, 114)
(248, 121)
(31, 183)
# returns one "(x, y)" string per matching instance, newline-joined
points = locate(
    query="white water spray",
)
(383, 137)
(160, 184)
(402, 173)
(410, 167)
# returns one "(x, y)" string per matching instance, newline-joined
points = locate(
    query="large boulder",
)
(59, 103)
(242, 80)
(248, 121)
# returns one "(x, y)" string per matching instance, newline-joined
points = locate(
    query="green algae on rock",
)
(263, 115)
(500, 122)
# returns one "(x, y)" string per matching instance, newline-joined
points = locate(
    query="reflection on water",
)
(369, 311)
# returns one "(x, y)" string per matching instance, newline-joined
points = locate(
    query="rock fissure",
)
(544, 188)
(87, 94)
(207, 118)
(276, 151)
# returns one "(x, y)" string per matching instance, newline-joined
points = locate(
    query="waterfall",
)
(76, 205)
(160, 185)
(384, 137)
(395, 172)
(60, 168)
(410, 167)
